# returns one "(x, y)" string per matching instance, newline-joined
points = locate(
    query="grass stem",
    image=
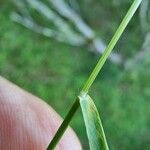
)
(64, 125)
(95, 72)
(111, 45)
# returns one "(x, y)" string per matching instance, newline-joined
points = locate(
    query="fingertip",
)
(29, 123)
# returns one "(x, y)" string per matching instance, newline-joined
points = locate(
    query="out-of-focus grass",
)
(55, 72)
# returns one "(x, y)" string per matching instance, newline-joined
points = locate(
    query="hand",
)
(27, 123)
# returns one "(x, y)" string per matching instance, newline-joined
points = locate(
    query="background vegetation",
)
(56, 71)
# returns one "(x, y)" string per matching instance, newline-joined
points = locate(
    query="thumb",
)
(27, 123)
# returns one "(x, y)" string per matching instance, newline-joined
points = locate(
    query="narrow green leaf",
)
(94, 128)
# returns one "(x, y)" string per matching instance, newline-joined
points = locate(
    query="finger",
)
(27, 123)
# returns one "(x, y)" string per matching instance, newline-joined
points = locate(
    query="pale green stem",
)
(111, 45)
(95, 72)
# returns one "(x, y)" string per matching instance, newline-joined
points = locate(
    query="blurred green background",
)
(55, 72)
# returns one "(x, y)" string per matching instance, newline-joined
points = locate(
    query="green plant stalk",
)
(95, 72)
(64, 125)
(111, 45)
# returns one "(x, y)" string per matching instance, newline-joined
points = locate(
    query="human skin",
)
(28, 123)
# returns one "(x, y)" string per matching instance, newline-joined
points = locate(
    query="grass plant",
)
(91, 117)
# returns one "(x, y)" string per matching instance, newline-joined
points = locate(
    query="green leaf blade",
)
(94, 128)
